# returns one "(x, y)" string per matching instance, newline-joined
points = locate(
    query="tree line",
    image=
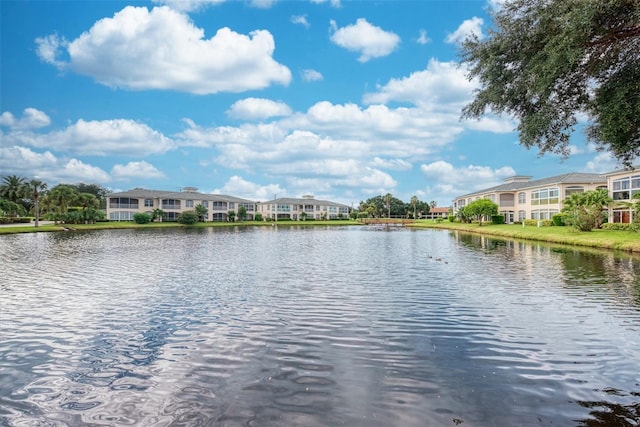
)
(387, 206)
(68, 203)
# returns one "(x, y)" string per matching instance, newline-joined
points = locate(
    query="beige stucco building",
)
(299, 208)
(122, 206)
(623, 185)
(520, 198)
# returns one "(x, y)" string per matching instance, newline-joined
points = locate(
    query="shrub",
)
(258, 217)
(188, 218)
(497, 219)
(141, 218)
(558, 220)
(620, 226)
(451, 218)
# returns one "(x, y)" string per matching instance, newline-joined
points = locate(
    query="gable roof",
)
(142, 193)
(567, 178)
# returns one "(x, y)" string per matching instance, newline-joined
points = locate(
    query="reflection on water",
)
(315, 327)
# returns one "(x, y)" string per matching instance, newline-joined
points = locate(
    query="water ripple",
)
(313, 327)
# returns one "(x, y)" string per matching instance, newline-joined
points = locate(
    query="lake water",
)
(353, 326)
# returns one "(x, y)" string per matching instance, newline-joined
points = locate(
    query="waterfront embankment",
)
(606, 239)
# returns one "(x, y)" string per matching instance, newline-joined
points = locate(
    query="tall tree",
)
(201, 211)
(35, 188)
(13, 188)
(481, 208)
(414, 204)
(60, 197)
(95, 189)
(546, 61)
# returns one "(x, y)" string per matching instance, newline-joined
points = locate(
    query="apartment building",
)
(623, 185)
(122, 206)
(300, 208)
(520, 198)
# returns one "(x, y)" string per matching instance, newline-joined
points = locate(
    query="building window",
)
(170, 204)
(544, 196)
(121, 216)
(522, 197)
(148, 203)
(231, 206)
(624, 188)
(205, 204)
(522, 215)
(123, 203)
(219, 206)
(188, 204)
(571, 190)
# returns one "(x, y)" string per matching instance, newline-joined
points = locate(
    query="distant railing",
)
(123, 205)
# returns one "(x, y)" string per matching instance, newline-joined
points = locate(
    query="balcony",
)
(123, 205)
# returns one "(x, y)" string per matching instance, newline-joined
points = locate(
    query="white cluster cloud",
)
(140, 169)
(24, 161)
(470, 27)
(99, 138)
(31, 119)
(240, 187)
(311, 75)
(161, 49)
(300, 19)
(369, 40)
(258, 109)
(445, 179)
(188, 5)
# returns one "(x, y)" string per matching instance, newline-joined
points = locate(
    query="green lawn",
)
(608, 239)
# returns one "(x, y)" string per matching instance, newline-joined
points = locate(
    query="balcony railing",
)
(123, 205)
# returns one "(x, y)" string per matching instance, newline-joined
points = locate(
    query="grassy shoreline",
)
(8, 229)
(603, 239)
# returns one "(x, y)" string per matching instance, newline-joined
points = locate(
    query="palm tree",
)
(88, 202)
(61, 196)
(387, 201)
(414, 202)
(201, 211)
(158, 214)
(12, 188)
(35, 187)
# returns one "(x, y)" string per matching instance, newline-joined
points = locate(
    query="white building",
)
(122, 206)
(305, 207)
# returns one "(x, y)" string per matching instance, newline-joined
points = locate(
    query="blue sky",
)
(345, 100)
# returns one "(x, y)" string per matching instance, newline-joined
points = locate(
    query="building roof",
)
(142, 193)
(567, 178)
(439, 210)
(302, 201)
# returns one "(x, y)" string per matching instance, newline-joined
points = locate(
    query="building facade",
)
(623, 185)
(122, 206)
(520, 198)
(299, 209)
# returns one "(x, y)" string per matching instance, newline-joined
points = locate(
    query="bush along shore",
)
(623, 240)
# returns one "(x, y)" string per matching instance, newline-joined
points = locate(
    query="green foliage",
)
(11, 209)
(585, 211)
(13, 188)
(231, 216)
(158, 214)
(478, 210)
(497, 219)
(558, 220)
(546, 61)
(621, 226)
(451, 218)
(257, 216)
(202, 212)
(242, 213)
(142, 218)
(188, 218)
